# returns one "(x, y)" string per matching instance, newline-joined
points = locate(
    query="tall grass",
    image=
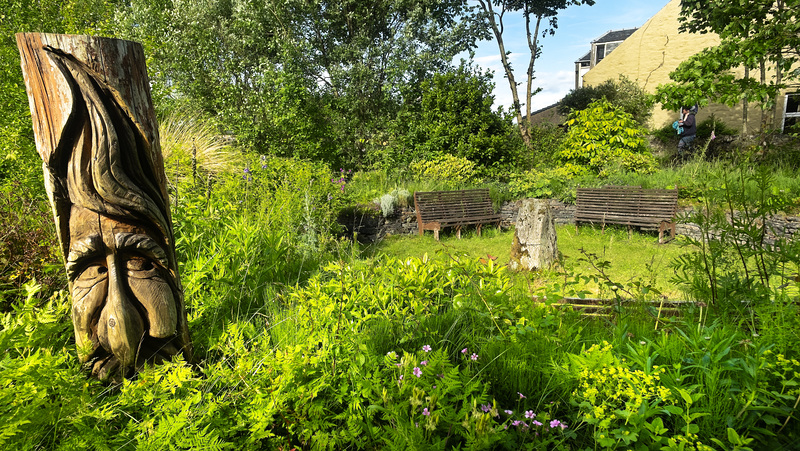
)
(190, 141)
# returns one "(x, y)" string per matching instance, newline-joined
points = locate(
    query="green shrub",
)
(625, 94)
(600, 135)
(454, 117)
(446, 168)
(547, 183)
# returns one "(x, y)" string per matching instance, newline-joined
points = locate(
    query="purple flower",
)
(246, 170)
(529, 414)
(263, 166)
(521, 396)
(464, 351)
(426, 412)
(536, 423)
(486, 408)
(401, 378)
(417, 371)
(474, 356)
(516, 423)
(426, 348)
(434, 387)
(557, 424)
(509, 412)
(423, 363)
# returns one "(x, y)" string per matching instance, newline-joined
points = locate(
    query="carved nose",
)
(120, 328)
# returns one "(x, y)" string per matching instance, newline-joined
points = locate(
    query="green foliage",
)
(446, 168)
(624, 94)
(455, 117)
(732, 261)
(617, 401)
(600, 135)
(28, 245)
(544, 184)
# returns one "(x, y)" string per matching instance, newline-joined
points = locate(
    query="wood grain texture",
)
(96, 133)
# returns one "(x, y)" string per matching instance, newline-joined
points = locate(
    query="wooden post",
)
(96, 133)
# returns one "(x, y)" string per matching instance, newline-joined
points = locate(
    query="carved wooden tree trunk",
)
(96, 132)
(535, 242)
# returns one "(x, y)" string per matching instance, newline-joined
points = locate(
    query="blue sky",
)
(578, 26)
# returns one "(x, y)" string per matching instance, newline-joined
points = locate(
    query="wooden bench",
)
(631, 206)
(439, 209)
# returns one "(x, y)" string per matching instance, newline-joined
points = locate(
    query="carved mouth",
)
(106, 367)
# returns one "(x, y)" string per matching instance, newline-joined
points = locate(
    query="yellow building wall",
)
(655, 50)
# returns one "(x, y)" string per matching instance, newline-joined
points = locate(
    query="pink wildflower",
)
(417, 371)
(426, 348)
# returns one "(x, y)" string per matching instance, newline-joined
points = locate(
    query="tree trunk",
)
(497, 29)
(96, 133)
(535, 242)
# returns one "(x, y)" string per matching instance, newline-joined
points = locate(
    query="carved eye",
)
(91, 274)
(141, 268)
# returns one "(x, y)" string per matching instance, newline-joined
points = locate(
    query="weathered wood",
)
(438, 209)
(628, 205)
(535, 243)
(96, 133)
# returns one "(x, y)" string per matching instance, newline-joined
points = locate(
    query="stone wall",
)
(370, 226)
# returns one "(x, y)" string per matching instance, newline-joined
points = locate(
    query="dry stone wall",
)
(371, 226)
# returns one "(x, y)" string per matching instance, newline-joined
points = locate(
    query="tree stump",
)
(535, 242)
(96, 133)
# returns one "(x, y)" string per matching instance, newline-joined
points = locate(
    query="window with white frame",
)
(791, 112)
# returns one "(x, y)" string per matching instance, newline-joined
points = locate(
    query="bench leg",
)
(458, 232)
(436, 234)
(479, 229)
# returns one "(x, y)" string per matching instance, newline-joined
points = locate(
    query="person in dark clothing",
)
(689, 130)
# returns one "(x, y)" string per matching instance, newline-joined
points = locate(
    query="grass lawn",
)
(637, 258)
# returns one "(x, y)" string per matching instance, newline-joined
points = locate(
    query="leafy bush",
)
(600, 135)
(625, 94)
(618, 401)
(547, 183)
(446, 168)
(455, 118)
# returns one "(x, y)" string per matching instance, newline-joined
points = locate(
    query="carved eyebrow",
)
(142, 244)
(89, 246)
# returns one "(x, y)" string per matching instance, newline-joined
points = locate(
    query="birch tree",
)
(541, 19)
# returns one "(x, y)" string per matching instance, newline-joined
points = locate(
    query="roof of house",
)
(615, 36)
(585, 58)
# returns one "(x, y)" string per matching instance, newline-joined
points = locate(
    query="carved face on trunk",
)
(124, 308)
